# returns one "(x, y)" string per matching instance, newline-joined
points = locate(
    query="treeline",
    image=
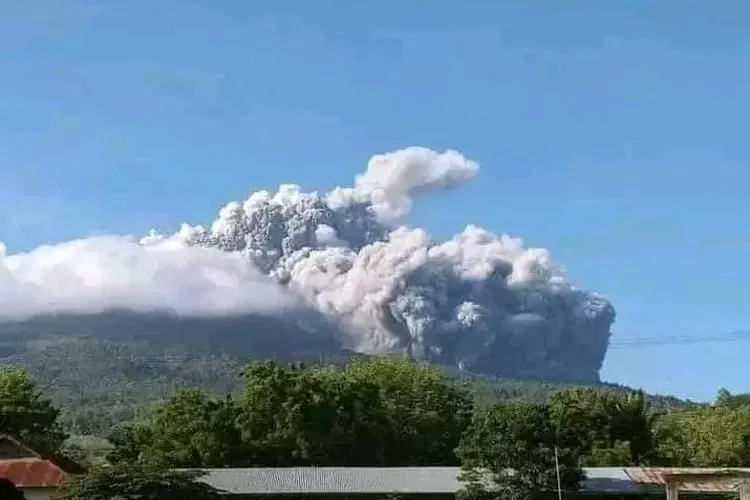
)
(387, 412)
(99, 383)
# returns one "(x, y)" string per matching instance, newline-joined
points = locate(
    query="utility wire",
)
(637, 342)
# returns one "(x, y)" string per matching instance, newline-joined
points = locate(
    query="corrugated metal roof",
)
(611, 480)
(291, 480)
(32, 472)
(699, 480)
(425, 480)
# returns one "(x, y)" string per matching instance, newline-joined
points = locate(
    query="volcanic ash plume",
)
(478, 301)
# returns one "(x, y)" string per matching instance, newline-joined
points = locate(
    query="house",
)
(443, 482)
(38, 475)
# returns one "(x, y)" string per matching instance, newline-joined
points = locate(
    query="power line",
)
(737, 336)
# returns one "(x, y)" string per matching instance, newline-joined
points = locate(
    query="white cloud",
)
(106, 272)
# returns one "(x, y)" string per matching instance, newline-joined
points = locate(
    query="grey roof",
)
(611, 480)
(382, 480)
(424, 480)
(292, 480)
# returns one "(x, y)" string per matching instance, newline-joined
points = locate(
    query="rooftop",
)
(32, 472)
(27, 468)
(429, 480)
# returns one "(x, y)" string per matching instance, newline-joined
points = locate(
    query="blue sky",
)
(612, 133)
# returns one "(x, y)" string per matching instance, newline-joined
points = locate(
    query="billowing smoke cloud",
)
(479, 300)
(104, 273)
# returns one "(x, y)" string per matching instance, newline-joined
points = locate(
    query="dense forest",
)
(381, 411)
(378, 412)
(99, 383)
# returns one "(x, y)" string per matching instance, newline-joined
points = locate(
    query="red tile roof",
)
(32, 472)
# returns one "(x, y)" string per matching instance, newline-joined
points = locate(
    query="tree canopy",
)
(25, 414)
(512, 451)
(137, 482)
(382, 412)
(387, 412)
(707, 437)
(612, 429)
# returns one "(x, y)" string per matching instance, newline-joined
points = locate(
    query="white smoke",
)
(392, 180)
(116, 272)
(478, 300)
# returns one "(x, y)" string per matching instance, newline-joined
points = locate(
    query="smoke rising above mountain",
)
(479, 300)
(119, 272)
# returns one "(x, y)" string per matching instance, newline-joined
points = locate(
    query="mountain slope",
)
(104, 368)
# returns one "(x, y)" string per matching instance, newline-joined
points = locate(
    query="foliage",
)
(726, 399)
(512, 450)
(100, 382)
(613, 429)
(137, 482)
(384, 412)
(89, 451)
(192, 429)
(428, 413)
(300, 416)
(370, 412)
(25, 414)
(706, 437)
(488, 390)
(373, 412)
(128, 441)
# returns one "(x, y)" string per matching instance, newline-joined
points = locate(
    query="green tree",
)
(382, 411)
(509, 452)
(301, 416)
(192, 429)
(612, 428)
(427, 413)
(726, 399)
(25, 414)
(137, 482)
(706, 437)
(86, 450)
(128, 440)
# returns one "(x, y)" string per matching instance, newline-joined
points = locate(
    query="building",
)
(37, 475)
(443, 482)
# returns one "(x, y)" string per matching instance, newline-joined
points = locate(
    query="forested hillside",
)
(489, 390)
(99, 383)
(367, 411)
(362, 412)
